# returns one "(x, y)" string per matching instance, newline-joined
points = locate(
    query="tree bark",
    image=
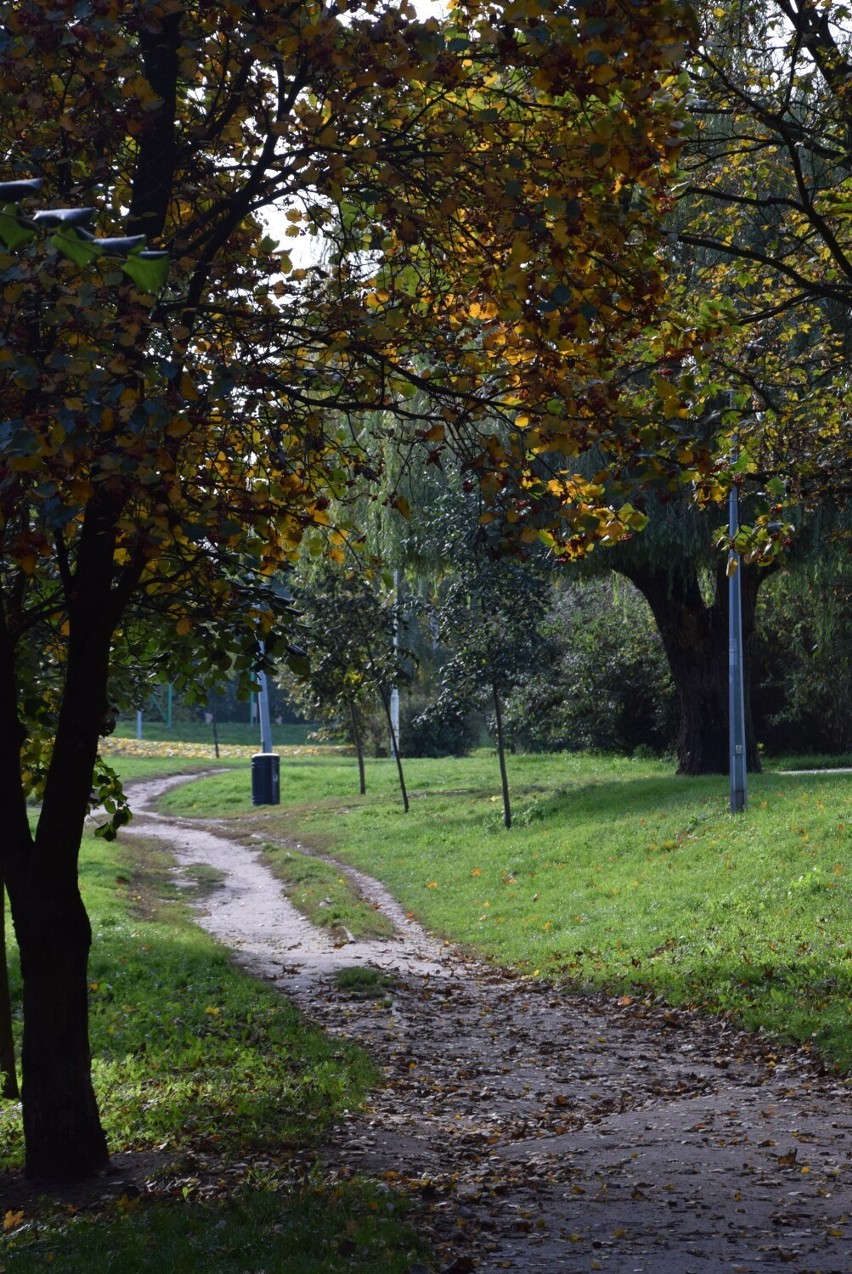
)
(359, 746)
(8, 1070)
(394, 747)
(694, 633)
(501, 754)
(16, 831)
(62, 1129)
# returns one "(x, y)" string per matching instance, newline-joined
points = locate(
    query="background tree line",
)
(576, 652)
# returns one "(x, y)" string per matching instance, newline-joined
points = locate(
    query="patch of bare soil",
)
(538, 1130)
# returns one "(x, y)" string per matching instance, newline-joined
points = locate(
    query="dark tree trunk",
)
(8, 1070)
(501, 755)
(62, 1130)
(359, 747)
(15, 836)
(694, 634)
(394, 747)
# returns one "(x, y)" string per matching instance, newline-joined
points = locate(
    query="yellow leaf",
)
(187, 388)
(11, 1219)
(183, 626)
(179, 427)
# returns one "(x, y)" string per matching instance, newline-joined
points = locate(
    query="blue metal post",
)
(736, 687)
(263, 710)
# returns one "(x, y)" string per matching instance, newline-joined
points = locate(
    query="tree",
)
(163, 452)
(764, 214)
(601, 682)
(491, 617)
(347, 629)
(802, 668)
(689, 600)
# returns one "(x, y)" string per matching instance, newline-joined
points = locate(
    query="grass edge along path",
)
(218, 1079)
(617, 876)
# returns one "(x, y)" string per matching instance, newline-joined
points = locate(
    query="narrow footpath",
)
(543, 1131)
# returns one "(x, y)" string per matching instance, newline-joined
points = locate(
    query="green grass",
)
(131, 768)
(319, 1230)
(810, 761)
(324, 895)
(616, 875)
(362, 982)
(210, 1067)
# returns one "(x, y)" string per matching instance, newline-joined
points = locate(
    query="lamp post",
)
(736, 678)
(263, 709)
(394, 695)
(265, 775)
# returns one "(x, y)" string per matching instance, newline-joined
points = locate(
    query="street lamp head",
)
(14, 191)
(52, 217)
(120, 247)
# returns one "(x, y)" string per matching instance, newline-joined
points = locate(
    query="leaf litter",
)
(535, 1129)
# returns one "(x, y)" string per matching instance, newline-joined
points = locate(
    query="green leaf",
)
(75, 247)
(298, 662)
(12, 232)
(148, 272)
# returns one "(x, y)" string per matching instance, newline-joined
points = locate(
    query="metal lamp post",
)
(736, 671)
(265, 776)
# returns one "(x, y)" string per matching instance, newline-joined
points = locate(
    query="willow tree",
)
(490, 186)
(764, 210)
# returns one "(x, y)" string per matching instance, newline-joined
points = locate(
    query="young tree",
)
(491, 618)
(347, 628)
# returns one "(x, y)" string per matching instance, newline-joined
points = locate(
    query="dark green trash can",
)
(265, 782)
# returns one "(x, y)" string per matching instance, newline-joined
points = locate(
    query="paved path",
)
(539, 1131)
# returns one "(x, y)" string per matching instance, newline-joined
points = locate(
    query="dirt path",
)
(540, 1131)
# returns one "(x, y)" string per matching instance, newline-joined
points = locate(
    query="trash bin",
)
(265, 782)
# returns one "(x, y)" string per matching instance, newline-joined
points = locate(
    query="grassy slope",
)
(615, 875)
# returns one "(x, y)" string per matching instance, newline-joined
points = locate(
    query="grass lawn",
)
(219, 1073)
(616, 874)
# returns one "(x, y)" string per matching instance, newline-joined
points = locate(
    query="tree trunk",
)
(694, 634)
(8, 1071)
(394, 747)
(359, 746)
(501, 754)
(62, 1130)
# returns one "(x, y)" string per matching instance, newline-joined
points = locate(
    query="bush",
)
(436, 730)
(603, 683)
(802, 661)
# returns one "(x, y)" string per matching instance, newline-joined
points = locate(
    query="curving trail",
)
(540, 1131)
